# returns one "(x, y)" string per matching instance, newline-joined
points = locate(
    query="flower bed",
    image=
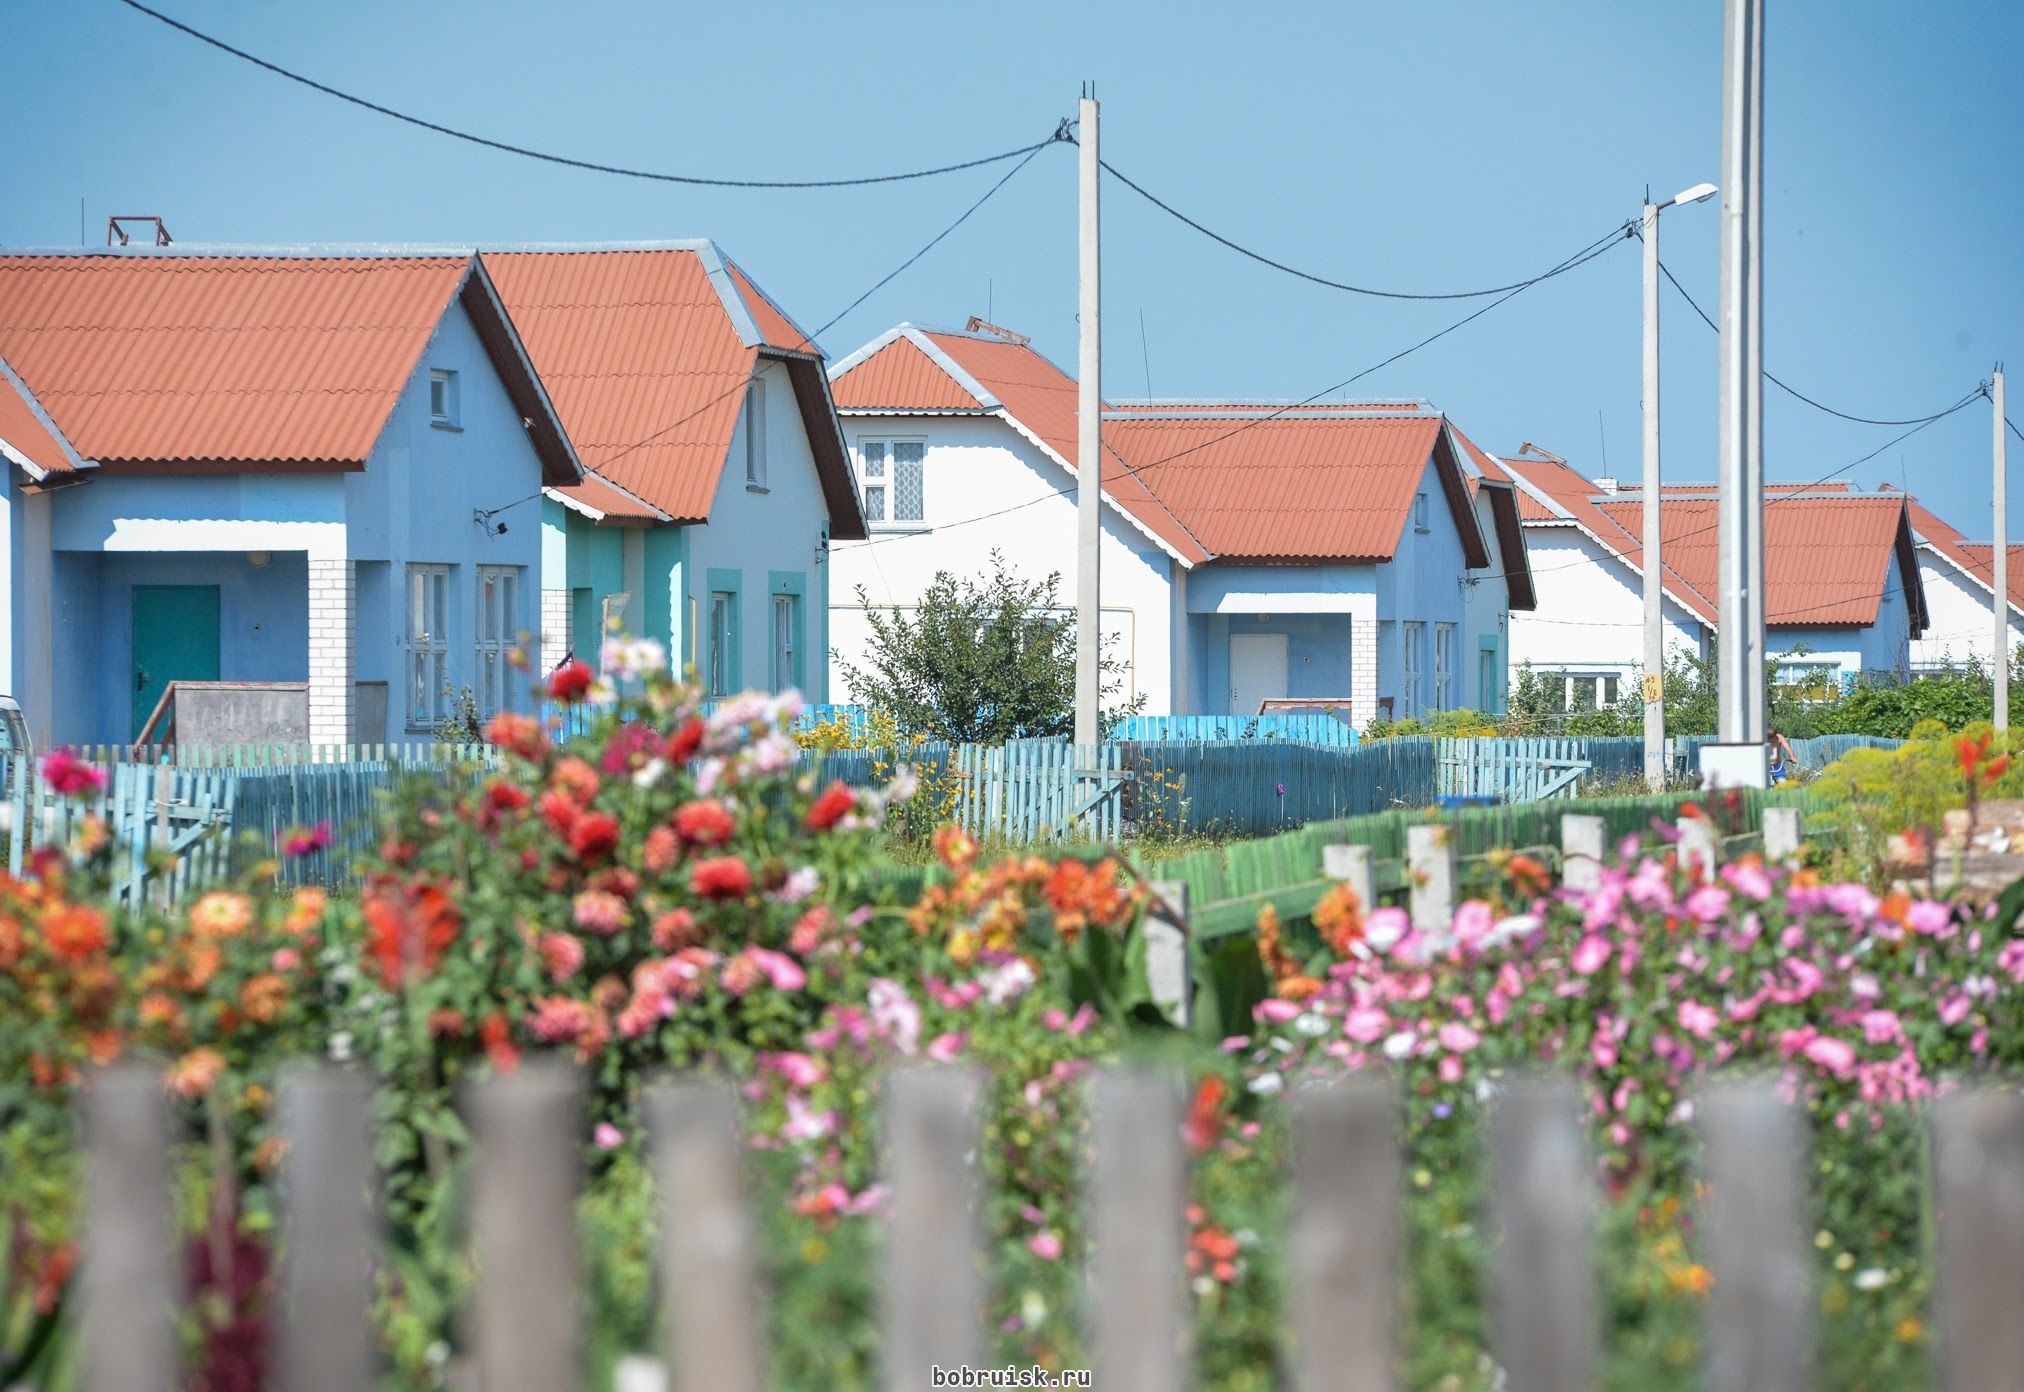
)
(669, 891)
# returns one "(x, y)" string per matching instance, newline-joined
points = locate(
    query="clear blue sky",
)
(1418, 146)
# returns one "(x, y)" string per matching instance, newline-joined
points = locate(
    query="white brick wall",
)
(555, 635)
(333, 606)
(1363, 668)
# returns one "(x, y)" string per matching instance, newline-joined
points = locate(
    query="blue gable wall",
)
(1423, 583)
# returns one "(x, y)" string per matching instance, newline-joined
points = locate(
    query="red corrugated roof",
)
(161, 359)
(1507, 515)
(1981, 558)
(1827, 560)
(774, 326)
(1976, 558)
(900, 377)
(604, 500)
(26, 435)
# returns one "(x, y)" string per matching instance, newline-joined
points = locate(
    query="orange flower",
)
(221, 915)
(306, 911)
(262, 997)
(204, 959)
(408, 927)
(192, 1075)
(1205, 1114)
(75, 932)
(954, 847)
(159, 1011)
(1528, 876)
(1339, 918)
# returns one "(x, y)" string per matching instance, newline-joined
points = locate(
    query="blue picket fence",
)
(1311, 727)
(184, 814)
(1252, 787)
(1813, 754)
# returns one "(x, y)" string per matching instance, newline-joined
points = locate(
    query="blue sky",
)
(1431, 146)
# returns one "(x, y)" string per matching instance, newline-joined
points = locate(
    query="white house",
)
(716, 477)
(1959, 577)
(1843, 594)
(1342, 556)
(271, 471)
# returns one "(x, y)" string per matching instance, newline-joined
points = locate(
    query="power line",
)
(1792, 391)
(2013, 428)
(592, 165)
(1171, 211)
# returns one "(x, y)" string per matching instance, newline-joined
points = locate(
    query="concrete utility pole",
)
(2000, 553)
(1654, 625)
(1088, 444)
(1738, 759)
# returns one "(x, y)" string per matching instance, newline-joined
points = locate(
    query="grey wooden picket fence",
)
(525, 1333)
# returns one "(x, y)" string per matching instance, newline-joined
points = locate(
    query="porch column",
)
(555, 635)
(333, 626)
(1363, 691)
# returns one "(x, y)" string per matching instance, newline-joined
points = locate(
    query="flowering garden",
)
(675, 891)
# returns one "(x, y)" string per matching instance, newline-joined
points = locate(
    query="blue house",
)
(266, 495)
(715, 471)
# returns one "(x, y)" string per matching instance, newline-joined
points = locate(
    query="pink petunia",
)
(1881, 1026)
(1836, 1056)
(607, 1136)
(782, 972)
(1458, 1038)
(1698, 1019)
(1708, 904)
(1590, 953)
(1366, 1024)
(1045, 1245)
(799, 1070)
(1274, 1011)
(1954, 1007)
(1930, 918)
(946, 1048)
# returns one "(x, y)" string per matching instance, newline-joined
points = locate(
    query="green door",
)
(175, 639)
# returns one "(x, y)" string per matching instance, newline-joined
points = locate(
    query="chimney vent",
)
(1606, 485)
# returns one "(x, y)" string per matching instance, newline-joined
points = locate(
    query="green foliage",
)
(1957, 696)
(465, 723)
(1437, 723)
(981, 660)
(1874, 793)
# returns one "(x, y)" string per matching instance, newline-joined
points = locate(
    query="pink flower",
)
(1457, 1037)
(782, 972)
(1044, 1245)
(799, 1070)
(1881, 1026)
(600, 911)
(1602, 1049)
(944, 1048)
(1748, 879)
(1928, 917)
(72, 776)
(285, 959)
(1274, 1011)
(607, 1136)
(1707, 904)
(1697, 1019)
(1834, 1055)
(1366, 1024)
(1590, 953)
(1472, 921)
(561, 955)
(303, 840)
(894, 1014)
(1954, 1007)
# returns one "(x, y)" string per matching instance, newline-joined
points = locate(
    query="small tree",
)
(980, 660)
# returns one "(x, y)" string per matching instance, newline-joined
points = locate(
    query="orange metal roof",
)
(900, 377)
(1827, 559)
(645, 361)
(1974, 557)
(1981, 556)
(603, 500)
(1507, 515)
(160, 359)
(27, 435)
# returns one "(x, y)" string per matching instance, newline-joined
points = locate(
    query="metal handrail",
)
(163, 707)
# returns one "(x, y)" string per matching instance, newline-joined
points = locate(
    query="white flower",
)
(1872, 1278)
(1009, 982)
(1313, 1025)
(1268, 1085)
(626, 657)
(340, 1046)
(1284, 1046)
(649, 773)
(800, 883)
(906, 782)
(1032, 1309)
(1400, 1045)
(1382, 933)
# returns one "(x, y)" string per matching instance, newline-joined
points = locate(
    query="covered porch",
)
(1260, 634)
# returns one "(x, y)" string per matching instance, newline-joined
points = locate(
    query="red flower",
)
(72, 776)
(1971, 752)
(594, 836)
(725, 877)
(559, 811)
(518, 734)
(497, 1037)
(683, 743)
(1998, 766)
(628, 750)
(407, 927)
(304, 840)
(705, 822)
(831, 807)
(75, 933)
(569, 682)
(1205, 1115)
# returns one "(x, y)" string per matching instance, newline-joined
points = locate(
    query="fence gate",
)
(186, 813)
(1040, 790)
(1510, 770)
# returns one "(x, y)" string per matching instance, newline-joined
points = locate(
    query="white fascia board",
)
(576, 505)
(1104, 493)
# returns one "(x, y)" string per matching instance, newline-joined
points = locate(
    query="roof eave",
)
(560, 463)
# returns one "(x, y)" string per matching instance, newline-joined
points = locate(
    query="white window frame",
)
(498, 634)
(882, 473)
(427, 690)
(722, 640)
(443, 403)
(1420, 513)
(755, 435)
(1444, 666)
(1604, 688)
(1413, 642)
(781, 641)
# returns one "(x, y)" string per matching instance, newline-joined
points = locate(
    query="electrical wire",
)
(2013, 428)
(565, 160)
(1789, 390)
(1171, 211)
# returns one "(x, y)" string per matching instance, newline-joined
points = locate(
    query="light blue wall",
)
(1317, 651)
(1423, 583)
(10, 579)
(74, 657)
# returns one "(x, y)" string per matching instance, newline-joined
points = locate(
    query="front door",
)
(1257, 670)
(175, 639)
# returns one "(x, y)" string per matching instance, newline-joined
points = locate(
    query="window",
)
(1419, 512)
(1590, 691)
(723, 634)
(443, 397)
(1415, 641)
(786, 631)
(1444, 666)
(1486, 680)
(498, 630)
(428, 645)
(893, 478)
(755, 434)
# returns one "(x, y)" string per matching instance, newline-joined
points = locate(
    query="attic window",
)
(1419, 512)
(443, 397)
(755, 435)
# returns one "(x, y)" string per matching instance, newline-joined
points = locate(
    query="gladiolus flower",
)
(1998, 766)
(569, 682)
(831, 808)
(725, 877)
(71, 776)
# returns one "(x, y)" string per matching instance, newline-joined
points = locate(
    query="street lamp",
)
(1654, 630)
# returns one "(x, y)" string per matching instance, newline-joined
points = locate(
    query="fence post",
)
(1697, 844)
(1781, 835)
(1344, 1248)
(1978, 1152)
(326, 1333)
(1168, 978)
(528, 1129)
(1137, 1191)
(165, 788)
(1430, 867)
(1581, 851)
(931, 1295)
(709, 1328)
(1760, 1316)
(1545, 1281)
(130, 1278)
(1351, 865)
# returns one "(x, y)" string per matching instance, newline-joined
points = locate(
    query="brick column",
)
(333, 605)
(1363, 692)
(555, 635)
